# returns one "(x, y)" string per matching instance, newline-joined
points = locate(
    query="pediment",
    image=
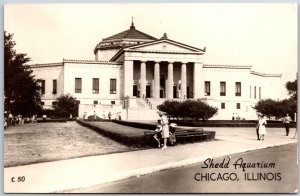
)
(165, 45)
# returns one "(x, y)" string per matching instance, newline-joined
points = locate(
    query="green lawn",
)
(33, 143)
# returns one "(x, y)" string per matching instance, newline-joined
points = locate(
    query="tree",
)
(66, 105)
(292, 89)
(189, 109)
(21, 90)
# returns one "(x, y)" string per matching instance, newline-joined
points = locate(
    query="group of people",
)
(11, 120)
(261, 126)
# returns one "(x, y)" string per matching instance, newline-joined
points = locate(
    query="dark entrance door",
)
(135, 90)
(148, 91)
(163, 86)
(174, 92)
(188, 92)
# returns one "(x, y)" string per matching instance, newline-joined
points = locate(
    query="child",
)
(157, 135)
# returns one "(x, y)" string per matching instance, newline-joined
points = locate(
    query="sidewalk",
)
(88, 171)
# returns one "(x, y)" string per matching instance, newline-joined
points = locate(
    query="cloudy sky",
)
(261, 35)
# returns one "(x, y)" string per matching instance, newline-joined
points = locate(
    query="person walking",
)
(257, 128)
(286, 121)
(262, 127)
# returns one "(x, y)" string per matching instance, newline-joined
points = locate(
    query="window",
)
(222, 88)
(238, 89)
(207, 88)
(113, 102)
(250, 91)
(254, 92)
(222, 105)
(54, 102)
(113, 86)
(78, 85)
(238, 106)
(259, 93)
(54, 90)
(95, 102)
(43, 84)
(95, 85)
(43, 103)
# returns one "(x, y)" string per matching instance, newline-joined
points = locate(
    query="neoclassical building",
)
(134, 72)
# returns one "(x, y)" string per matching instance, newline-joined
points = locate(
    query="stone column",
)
(183, 81)
(198, 83)
(143, 80)
(128, 78)
(156, 80)
(170, 80)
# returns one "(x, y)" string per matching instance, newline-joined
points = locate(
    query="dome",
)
(130, 37)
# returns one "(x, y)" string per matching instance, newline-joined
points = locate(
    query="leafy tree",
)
(66, 105)
(189, 109)
(292, 89)
(21, 90)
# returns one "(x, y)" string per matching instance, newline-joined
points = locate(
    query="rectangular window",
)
(113, 86)
(207, 88)
(250, 91)
(95, 85)
(78, 85)
(54, 102)
(222, 105)
(254, 92)
(259, 93)
(43, 86)
(42, 103)
(238, 106)
(113, 102)
(222, 88)
(95, 102)
(54, 90)
(238, 89)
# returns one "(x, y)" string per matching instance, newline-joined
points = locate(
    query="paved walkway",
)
(88, 171)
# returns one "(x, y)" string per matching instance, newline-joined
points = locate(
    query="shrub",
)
(189, 109)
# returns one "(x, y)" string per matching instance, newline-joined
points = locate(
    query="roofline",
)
(265, 75)
(46, 65)
(151, 42)
(227, 66)
(90, 62)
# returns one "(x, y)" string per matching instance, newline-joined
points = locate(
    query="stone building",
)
(134, 72)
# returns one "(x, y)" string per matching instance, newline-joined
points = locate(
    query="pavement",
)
(61, 176)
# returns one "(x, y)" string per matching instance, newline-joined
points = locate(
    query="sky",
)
(261, 35)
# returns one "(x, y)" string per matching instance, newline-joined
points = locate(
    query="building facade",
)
(134, 72)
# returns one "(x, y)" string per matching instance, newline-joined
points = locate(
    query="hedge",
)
(130, 137)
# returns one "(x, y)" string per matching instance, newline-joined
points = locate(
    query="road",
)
(280, 177)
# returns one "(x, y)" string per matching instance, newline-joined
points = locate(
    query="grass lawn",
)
(34, 143)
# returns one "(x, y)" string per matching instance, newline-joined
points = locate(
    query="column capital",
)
(184, 62)
(157, 62)
(170, 62)
(143, 61)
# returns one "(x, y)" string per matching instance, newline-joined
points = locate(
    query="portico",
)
(161, 69)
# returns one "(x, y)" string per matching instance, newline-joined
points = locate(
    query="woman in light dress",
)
(262, 127)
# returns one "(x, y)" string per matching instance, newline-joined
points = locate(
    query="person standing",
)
(165, 129)
(286, 121)
(262, 127)
(257, 129)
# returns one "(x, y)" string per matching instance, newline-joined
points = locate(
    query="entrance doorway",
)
(162, 86)
(175, 92)
(148, 91)
(135, 90)
(188, 92)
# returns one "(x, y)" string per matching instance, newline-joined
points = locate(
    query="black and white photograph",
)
(150, 98)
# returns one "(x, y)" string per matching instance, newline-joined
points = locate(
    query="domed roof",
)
(126, 38)
(131, 33)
